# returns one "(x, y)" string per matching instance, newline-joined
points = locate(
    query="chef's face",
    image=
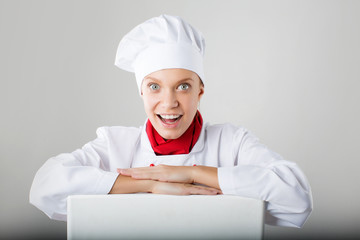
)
(171, 97)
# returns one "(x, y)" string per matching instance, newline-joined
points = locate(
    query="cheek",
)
(149, 103)
(191, 103)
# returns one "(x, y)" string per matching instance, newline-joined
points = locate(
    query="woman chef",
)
(175, 152)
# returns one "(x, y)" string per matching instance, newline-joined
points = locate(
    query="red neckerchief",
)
(181, 145)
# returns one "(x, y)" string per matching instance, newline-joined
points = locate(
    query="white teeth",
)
(170, 116)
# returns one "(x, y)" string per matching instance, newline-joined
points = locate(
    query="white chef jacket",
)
(245, 168)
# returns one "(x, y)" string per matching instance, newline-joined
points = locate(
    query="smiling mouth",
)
(169, 119)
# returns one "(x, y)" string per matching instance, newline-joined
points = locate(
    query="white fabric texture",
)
(161, 43)
(245, 168)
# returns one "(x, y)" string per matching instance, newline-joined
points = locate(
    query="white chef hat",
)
(161, 43)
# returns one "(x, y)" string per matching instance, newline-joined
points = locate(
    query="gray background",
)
(286, 70)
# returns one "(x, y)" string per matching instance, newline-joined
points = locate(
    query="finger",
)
(139, 169)
(124, 172)
(138, 173)
(218, 191)
(147, 176)
(199, 191)
(207, 187)
(196, 190)
(153, 173)
(131, 171)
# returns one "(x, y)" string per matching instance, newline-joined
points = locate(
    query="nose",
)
(169, 100)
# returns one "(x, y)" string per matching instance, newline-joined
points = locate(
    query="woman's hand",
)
(125, 184)
(163, 173)
(175, 174)
(182, 189)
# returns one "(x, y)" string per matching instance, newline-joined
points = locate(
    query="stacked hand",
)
(176, 180)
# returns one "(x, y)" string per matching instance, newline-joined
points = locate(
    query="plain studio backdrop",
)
(288, 71)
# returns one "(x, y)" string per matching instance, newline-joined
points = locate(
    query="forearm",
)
(206, 175)
(175, 174)
(125, 184)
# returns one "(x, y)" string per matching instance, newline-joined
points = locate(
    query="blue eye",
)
(154, 86)
(183, 86)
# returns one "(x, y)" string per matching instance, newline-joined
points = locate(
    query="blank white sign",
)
(154, 216)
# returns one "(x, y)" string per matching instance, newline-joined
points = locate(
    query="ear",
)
(202, 91)
(141, 91)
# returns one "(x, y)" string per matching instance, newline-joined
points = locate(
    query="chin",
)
(169, 135)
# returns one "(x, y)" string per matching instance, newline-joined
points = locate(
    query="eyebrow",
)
(181, 80)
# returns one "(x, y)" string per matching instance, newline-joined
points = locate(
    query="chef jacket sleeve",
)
(262, 174)
(84, 171)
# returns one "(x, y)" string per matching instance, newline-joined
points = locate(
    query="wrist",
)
(199, 173)
(125, 184)
(146, 186)
(194, 173)
(205, 175)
